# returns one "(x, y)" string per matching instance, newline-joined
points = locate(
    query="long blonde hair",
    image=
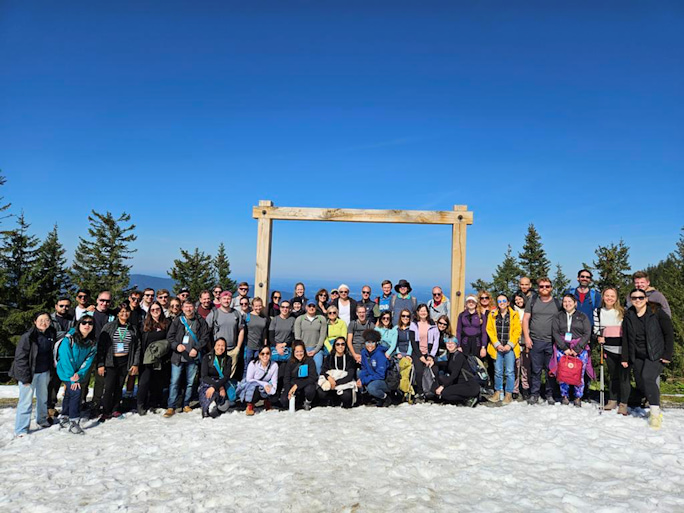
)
(481, 309)
(618, 307)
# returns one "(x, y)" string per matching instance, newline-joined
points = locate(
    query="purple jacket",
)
(433, 340)
(471, 325)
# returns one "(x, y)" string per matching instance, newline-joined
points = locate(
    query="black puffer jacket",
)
(25, 355)
(105, 345)
(659, 333)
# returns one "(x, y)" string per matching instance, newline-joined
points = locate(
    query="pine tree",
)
(480, 284)
(560, 282)
(194, 271)
(50, 274)
(533, 261)
(222, 269)
(6, 206)
(612, 268)
(100, 261)
(507, 274)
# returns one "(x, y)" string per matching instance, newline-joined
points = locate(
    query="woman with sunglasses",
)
(407, 333)
(33, 363)
(174, 308)
(274, 304)
(426, 344)
(118, 355)
(388, 333)
(648, 331)
(261, 381)
(155, 349)
(443, 335)
(322, 302)
(215, 373)
(336, 328)
(456, 383)
(337, 382)
(281, 333)
(75, 354)
(571, 331)
(504, 330)
(471, 329)
(608, 331)
(299, 378)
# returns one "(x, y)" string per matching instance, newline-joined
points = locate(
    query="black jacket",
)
(211, 376)
(349, 365)
(453, 370)
(659, 333)
(105, 345)
(580, 327)
(291, 374)
(176, 334)
(24, 363)
(352, 307)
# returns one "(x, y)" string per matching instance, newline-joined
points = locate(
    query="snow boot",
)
(622, 409)
(63, 421)
(250, 409)
(508, 398)
(75, 428)
(655, 420)
(307, 405)
(550, 400)
(534, 399)
(267, 405)
(565, 401)
(495, 397)
(388, 401)
(610, 405)
(472, 402)
(577, 402)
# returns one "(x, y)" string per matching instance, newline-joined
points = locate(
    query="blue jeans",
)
(39, 385)
(377, 388)
(504, 361)
(71, 404)
(317, 358)
(248, 356)
(176, 371)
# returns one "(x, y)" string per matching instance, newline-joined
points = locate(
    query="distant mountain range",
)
(143, 281)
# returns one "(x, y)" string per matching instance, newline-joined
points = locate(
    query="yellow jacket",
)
(339, 329)
(513, 335)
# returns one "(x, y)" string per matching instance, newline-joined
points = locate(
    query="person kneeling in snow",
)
(216, 368)
(299, 377)
(336, 384)
(456, 383)
(374, 368)
(261, 380)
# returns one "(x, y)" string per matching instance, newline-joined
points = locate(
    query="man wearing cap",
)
(346, 305)
(242, 292)
(183, 294)
(312, 329)
(402, 300)
(355, 340)
(334, 294)
(225, 322)
(438, 304)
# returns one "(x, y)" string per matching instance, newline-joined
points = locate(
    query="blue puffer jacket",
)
(74, 358)
(373, 365)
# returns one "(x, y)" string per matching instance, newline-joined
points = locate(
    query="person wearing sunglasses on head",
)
(299, 378)
(337, 380)
(647, 330)
(281, 333)
(75, 355)
(312, 329)
(504, 330)
(438, 304)
(261, 380)
(538, 335)
(242, 293)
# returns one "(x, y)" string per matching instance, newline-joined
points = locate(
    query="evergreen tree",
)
(533, 261)
(50, 275)
(480, 284)
(100, 261)
(192, 270)
(6, 206)
(222, 270)
(560, 282)
(612, 268)
(506, 276)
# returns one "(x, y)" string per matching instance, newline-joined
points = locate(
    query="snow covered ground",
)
(409, 458)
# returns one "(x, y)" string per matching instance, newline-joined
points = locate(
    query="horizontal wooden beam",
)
(351, 215)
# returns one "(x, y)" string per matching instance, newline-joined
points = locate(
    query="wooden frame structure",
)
(459, 218)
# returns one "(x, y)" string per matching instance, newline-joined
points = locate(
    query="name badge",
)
(119, 347)
(186, 340)
(568, 336)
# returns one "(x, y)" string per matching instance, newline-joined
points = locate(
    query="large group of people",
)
(225, 350)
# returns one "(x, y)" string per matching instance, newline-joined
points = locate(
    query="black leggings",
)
(307, 392)
(619, 378)
(335, 399)
(646, 374)
(113, 383)
(460, 392)
(150, 386)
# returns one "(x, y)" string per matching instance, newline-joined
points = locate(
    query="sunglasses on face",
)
(243, 288)
(104, 300)
(162, 297)
(81, 296)
(266, 353)
(405, 316)
(365, 292)
(638, 298)
(340, 344)
(384, 318)
(87, 323)
(501, 301)
(244, 304)
(483, 298)
(62, 306)
(148, 295)
(436, 293)
(155, 309)
(332, 313)
(442, 324)
(585, 277)
(276, 297)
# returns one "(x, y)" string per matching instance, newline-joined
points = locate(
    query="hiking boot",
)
(63, 421)
(75, 428)
(169, 413)
(103, 418)
(622, 409)
(610, 405)
(307, 405)
(142, 411)
(495, 397)
(550, 400)
(116, 414)
(508, 398)
(534, 399)
(44, 424)
(565, 401)
(388, 401)
(655, 421)
(250, 409)
(577, 402)
(187, 409)
(472, 402)
(52, 412)
(267, 405)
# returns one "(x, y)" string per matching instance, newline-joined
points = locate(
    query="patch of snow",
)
(409, 458)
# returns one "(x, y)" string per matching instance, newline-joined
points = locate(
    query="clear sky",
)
(186, 114)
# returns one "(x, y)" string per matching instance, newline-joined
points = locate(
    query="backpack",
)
(414, 302)
(55, 349)
(478, 370)
(592, 296)
(392, 377)
(559, 306)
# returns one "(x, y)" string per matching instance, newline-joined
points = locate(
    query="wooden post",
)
(458, 256)
(262, 275)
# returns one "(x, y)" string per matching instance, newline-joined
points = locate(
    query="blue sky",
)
(185, 115)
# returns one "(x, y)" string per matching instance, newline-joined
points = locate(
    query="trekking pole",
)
(602, 405)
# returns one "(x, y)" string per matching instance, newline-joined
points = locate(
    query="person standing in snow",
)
(503, 328)
(647, 329)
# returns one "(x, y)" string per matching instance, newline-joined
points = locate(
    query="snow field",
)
(409, 458)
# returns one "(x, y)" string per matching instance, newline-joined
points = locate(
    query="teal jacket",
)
(74, 358)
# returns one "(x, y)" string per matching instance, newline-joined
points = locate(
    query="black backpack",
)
(478, 370)
(392, 377)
